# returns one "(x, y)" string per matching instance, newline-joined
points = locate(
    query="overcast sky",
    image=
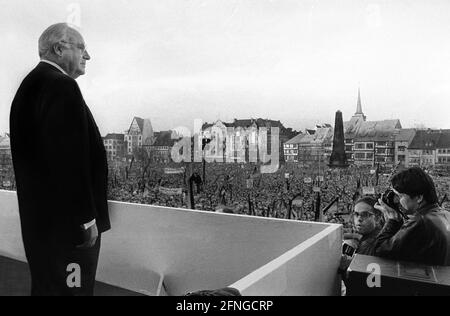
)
(296, 61)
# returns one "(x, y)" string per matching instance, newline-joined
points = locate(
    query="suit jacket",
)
(424, 238)
(58, 156)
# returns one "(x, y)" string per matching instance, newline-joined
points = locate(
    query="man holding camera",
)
(425, 236)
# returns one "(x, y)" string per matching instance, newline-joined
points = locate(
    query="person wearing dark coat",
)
(60, 168)
(423, 238)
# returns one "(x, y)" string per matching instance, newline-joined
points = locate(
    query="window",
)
(401, 148)
(360, 146)
(401, 157)
(369, 146)
(369, 156)
(381, 151)
(359, 156)
(382, 144)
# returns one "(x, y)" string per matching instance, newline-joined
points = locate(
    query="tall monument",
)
(338, 158)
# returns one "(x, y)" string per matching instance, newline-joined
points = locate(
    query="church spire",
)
(359, 112)
(359, 107)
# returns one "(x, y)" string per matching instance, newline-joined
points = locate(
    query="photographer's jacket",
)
(424, 238)
(59, 158)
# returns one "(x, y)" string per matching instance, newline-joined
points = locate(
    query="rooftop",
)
(115, 136)
(430, 139)
(361, 130)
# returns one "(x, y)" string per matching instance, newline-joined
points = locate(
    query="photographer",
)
(425, 236)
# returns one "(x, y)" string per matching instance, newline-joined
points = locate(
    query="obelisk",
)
(338, 158)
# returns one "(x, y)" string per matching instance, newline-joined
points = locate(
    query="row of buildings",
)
(248, 140)
(244, 141)
(140, 135)
(366, 143)
(371, 143)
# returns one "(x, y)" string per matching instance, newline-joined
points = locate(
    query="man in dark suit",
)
(60, 168)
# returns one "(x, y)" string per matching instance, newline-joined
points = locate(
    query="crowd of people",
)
(294, 191)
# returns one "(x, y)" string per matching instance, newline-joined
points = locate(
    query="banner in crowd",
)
(7, 184)
(368, 190)
(249, 183)
(372, 171)
(171, 191)
(319, 178)
(286, 175)
(173, 170)
(308, 180)
(316, 189)
(297, 202)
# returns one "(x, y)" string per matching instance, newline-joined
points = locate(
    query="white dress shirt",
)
(54, 65)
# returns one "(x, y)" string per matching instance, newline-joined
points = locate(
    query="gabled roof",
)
(140, 123)
(430, 139)
(444, 140)
(248, 123)
(320, 136)
(296, 140)
(263, 123)
(164, 138)
(115, 136)
(242, 123)
(405, 135)
(371, 130)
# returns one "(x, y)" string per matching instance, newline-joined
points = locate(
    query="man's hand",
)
(345, 263)
(90, 236)
(388, 212)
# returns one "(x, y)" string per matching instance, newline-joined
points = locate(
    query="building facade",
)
(430, 148)
(160, 151)
(115, 146)
(311, 147)
(138, 135)
(245, 140)
(368, 143)
(6, 165)
(402, 142)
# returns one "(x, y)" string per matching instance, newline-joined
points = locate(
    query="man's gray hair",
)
(51, 36)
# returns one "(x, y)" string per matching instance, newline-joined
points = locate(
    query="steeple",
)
(359, 107)
(359, 112)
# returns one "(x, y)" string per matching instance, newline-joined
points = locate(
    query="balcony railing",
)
(165, 251)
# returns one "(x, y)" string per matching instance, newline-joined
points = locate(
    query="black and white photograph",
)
(234, 151)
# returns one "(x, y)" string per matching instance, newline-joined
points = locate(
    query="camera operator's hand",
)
(388, 212)
(345, 263)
